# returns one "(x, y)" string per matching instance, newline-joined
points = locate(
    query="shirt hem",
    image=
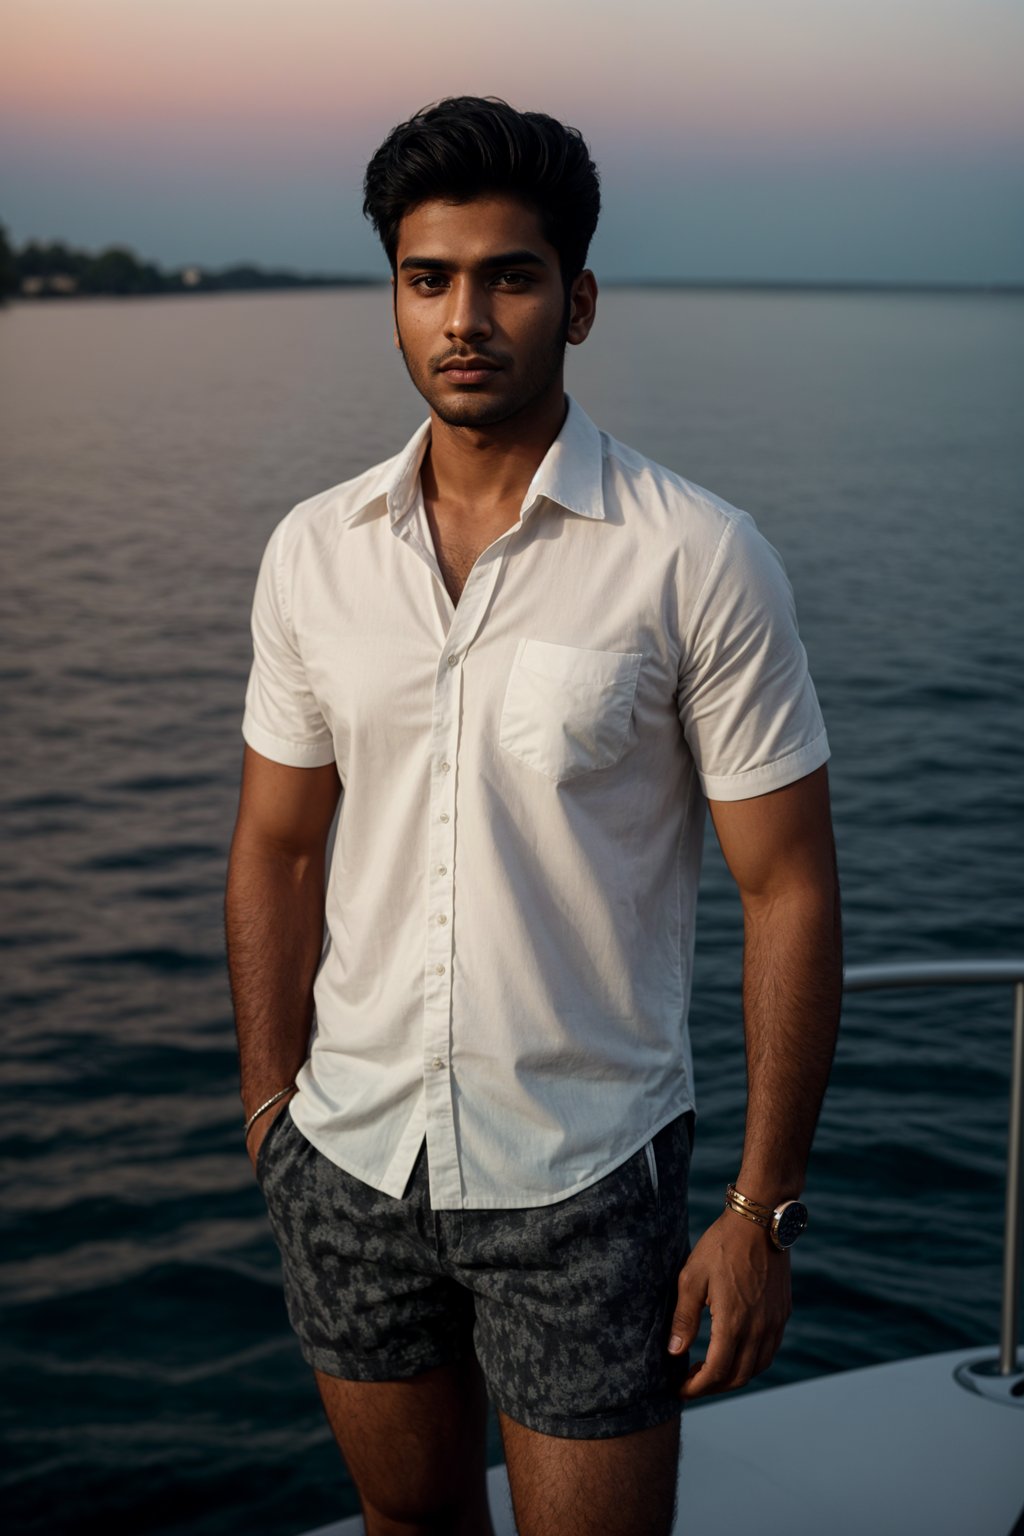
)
(500, 1202)
(383, 1186)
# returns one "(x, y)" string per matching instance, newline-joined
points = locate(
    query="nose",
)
(468, 316)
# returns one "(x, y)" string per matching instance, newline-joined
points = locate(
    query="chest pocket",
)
(566, 710)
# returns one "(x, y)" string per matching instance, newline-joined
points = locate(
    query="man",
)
(523, 658)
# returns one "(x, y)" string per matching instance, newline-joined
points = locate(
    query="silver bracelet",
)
(256, 1113)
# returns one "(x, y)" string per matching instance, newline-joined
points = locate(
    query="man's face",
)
(480, 309)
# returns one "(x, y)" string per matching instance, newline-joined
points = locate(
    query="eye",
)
(431, 282)
(513, 279)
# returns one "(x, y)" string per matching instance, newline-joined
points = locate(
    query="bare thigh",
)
(623, 1486)
(416, 1449)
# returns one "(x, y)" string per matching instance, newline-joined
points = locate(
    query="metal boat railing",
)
(970, 973)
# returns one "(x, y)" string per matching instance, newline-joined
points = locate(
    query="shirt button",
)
(445, 816)
(442, 869)
(441, 919)
(446, 767)
(453, 661)
(439, 969)
(437, 1063)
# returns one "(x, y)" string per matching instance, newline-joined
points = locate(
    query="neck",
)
(491, 467)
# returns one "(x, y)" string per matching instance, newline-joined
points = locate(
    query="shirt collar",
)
(569, 473)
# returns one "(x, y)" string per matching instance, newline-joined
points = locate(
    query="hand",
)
(262, 1126)
(744, 1280)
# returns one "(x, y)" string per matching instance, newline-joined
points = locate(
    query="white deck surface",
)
(891, 1450)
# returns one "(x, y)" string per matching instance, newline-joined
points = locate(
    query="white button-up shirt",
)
(510, 905)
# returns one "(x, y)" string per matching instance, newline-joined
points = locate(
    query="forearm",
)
(273, 911)
(792, 992)
(780, 851)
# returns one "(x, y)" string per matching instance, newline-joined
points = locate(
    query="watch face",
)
(790, 1222)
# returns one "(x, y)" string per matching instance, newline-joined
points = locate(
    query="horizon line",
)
(725, 284)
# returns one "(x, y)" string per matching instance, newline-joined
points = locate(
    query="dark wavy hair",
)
(468, 146)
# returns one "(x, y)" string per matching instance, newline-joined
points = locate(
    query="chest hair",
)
(456, 561)
(457, 553)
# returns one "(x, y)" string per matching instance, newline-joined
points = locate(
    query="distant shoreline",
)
(653, 284)
(209, 291)
(52, 270)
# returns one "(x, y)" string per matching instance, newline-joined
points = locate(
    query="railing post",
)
(1011, 1241)
(949, 973)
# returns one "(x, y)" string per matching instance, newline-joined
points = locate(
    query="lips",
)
(469, 370)
(468, 365)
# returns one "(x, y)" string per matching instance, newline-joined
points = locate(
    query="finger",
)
(714, 1373)
(744, 1367)
(766, 1354)
(685, 1320)
(755, 1353)
(691, 1375)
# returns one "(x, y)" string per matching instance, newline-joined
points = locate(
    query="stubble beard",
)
(470, 409)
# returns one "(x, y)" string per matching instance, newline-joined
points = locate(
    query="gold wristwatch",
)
(783, 1223)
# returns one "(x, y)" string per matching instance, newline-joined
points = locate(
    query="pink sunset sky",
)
(803, 140)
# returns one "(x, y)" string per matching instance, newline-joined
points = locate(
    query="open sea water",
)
(151, 1383)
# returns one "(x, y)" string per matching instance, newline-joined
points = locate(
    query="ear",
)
(582, 307)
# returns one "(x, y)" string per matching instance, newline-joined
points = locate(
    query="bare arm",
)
(273, 914)
(779, 850)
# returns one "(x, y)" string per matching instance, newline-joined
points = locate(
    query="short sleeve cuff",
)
(293, 754)
(769, 776)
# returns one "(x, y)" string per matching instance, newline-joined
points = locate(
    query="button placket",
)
(438, 1025)
(440, 926)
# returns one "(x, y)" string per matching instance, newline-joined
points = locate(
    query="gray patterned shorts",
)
(567, 1306)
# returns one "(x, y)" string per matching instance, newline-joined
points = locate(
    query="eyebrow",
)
(489, 264)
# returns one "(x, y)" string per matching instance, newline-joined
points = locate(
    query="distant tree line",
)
(53, 270)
